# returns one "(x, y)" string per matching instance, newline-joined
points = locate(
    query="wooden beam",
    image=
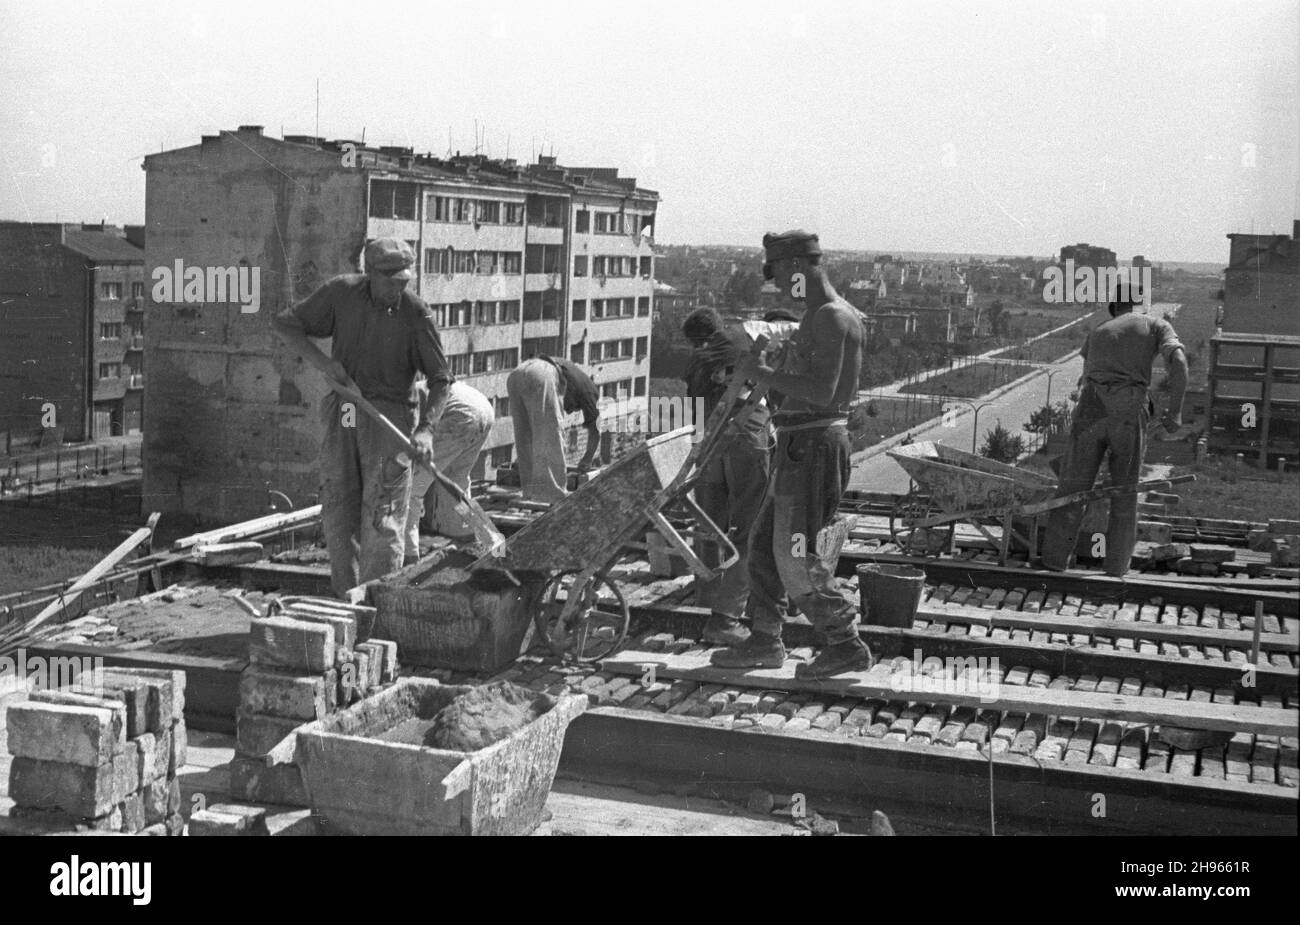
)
(101, 568)
(877, 684)
(250, 528)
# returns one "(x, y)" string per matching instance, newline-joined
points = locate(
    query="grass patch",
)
(881, 418)
(25, 567)
(967, 381)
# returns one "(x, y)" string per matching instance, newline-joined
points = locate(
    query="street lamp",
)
(975, 424)
(1050, 373)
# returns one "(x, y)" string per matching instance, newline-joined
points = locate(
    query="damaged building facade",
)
(515, 260)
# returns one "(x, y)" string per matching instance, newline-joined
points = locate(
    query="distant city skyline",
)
(1152, 127)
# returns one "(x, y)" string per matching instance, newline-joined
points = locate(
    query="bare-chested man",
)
(798, 536)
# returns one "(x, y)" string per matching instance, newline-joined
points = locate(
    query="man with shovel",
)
(382, 336)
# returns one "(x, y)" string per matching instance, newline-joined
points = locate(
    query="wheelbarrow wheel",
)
(918, 541)
(581, 627)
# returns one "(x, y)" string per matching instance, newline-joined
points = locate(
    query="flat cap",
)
(797, 243)
(389, 256)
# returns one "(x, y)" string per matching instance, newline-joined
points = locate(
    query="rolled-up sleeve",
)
(427, 354)
(1167, 341)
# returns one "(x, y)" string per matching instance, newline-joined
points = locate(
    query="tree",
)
(1000, 445)
(1049, 418)
(743, 289)
(996, 328)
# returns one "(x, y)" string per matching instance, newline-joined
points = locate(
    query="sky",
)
(1014, 127)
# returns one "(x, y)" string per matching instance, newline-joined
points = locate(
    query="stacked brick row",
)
(106, 760)
(303, 665)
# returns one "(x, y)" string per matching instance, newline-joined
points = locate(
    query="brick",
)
(79, 790)
(344, 627)
(229, 819)
(256, 734)
(280, 642)
(256, 781)
(87, 736)
(160, 798)
(166, 698)
(388, 663)
(273, 693)
(71, 699)
(179, 748)
(133, 813)
(153, 760)
(375, 664)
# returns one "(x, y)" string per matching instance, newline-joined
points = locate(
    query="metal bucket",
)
(890, 594)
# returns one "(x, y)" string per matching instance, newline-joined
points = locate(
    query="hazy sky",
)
(998, 127)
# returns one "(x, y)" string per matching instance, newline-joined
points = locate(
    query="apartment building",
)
(71, 333)
(1261, 285)
(497, 244)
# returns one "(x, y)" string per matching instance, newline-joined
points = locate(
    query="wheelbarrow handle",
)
(679, 543)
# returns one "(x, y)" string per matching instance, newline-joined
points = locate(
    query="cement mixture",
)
(475, 719)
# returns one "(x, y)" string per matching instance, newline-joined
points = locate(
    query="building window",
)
(463, 210)
(487, 313)
(487, 262)
(508, 312)
(458, 364)
(502, 455)
(580, 265)
(110, 291)
(390, 199)
(642, 347)
(110, 370)
(542, 258)
(647, 267)
(441, 208)
(638, 385)
(137, 290)
(512, 263)
(110, 331)
(643, 306)
(582, 222)
(598, 266)
(488, 212)
(514, 213)
(577, 353)
(542, 306)
(465, 262)
(501, 406)
(579, 309)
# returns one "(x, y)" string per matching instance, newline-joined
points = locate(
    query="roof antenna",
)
(317, 109)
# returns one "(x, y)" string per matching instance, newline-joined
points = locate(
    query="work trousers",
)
(364, 493)
(730, 491)
(457, 440)
(798, 535)
(537, 413)
(1109, 423)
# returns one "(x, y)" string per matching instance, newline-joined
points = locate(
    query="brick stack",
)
(303, 665)
(104, 761)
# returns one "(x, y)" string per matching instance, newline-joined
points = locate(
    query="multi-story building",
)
(1261, 286)
(71, 332)
(1088, 255)
(1254, 395)
(515, 260)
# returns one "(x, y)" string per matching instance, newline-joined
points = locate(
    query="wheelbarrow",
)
(955, 486)
(566, 554)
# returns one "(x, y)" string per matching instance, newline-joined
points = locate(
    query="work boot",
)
(758, 651)
(852, 655)
(722, 630)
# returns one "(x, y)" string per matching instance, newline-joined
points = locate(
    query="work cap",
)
(797, 243)
(390, 256)
(702, 323)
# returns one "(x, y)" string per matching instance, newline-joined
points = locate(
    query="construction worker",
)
(731, 487)
(542, 391)
(797, 537)
(1110, 421)
(382, 336)
(458, 438)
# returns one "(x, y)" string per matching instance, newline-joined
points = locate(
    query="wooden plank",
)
(1183, 634)
(101, 568)
(249, 528)
(1258, 720)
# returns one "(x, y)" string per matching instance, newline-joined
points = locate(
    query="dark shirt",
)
(706, 377)
(578, 390)
(381, 350)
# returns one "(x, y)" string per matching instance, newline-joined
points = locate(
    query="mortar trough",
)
(366, 773)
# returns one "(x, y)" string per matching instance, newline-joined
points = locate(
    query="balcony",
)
(135, 343)
(135, 382)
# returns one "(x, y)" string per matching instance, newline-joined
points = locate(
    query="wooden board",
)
(1181, 713)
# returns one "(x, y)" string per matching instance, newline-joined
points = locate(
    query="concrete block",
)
(87, 736)
(229, 819)
(281, 642)
(272, 693)
(156, 797)
(1155, 532)
(1213, 553)
(179, 748)
(255, 735)
(79, 790)
(1170, 551)
(166, 693)
(374, 663)
(133, 813)
(1260, 541)
(344, 627)
(362, 660)
(1284, 526)
(255, 780)
(69, 698)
